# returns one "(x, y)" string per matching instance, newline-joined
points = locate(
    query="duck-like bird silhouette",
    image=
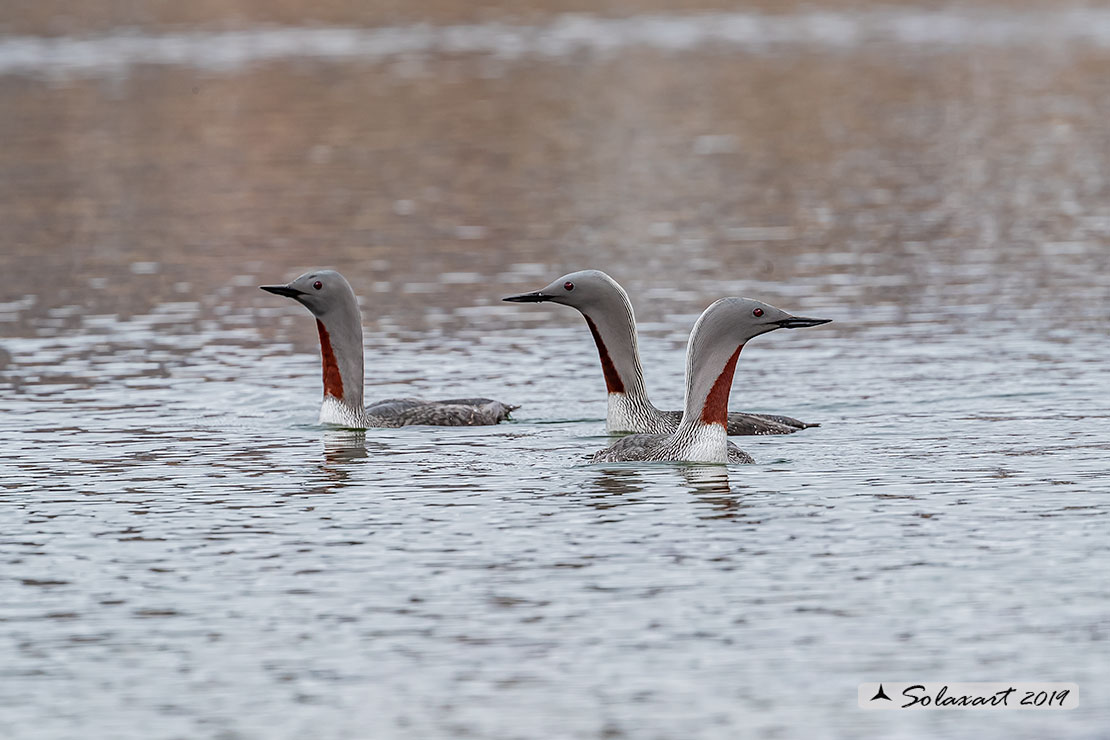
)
(329, 297)
(608, 313)
(715, 343)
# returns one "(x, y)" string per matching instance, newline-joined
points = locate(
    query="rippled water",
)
(186, 554)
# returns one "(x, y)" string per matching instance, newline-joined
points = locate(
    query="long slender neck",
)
(613, 326)
(707, 389)
(341, 356)
(714, 409)
(710, 366)
(702, 434)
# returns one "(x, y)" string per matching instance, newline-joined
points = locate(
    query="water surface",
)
(186, 554)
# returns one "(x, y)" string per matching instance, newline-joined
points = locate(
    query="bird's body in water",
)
(329, 297)
(608, 313)
(702, 447)
(714, 348)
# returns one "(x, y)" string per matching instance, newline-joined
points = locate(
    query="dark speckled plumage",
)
(648, 447)
(460, 412)
(748, 424)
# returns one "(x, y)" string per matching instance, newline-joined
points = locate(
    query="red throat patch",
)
(715, 410)
(613, 381)
(333, 381)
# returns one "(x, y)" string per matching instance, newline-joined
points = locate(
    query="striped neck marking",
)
(333, 381)
(613, 381)
(715, 410)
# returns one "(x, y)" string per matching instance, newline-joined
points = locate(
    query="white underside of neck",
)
(334, 411)
(708, 443)
(621, 415)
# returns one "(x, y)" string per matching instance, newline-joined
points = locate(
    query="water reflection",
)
(343, 448)
(346, 445)
(617, 485)
(711, 486)
(613, 486)
(706, 478)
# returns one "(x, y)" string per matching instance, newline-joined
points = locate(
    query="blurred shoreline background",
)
(682, 144)
(63, 17)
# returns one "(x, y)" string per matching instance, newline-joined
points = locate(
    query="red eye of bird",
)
(568, 285)
(757, 312)
(319, 285)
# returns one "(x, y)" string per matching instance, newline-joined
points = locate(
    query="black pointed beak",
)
(284, 290)
(536, 297)
(797, 322)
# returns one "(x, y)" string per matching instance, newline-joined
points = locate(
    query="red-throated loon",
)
(329, 297)
(715, 343)
(608, 313)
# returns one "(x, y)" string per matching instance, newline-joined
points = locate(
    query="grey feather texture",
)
(469, 412)
(608, 312)
(743, 424)
(330, 298)
(656, 447)
(711, 355)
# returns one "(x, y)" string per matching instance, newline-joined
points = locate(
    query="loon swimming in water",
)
(608, 313)
(329, 297)
(715, 343)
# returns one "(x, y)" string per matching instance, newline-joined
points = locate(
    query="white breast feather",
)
(709, 444)
(620, 416)
(334, 411)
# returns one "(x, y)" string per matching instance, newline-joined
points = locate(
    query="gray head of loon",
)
(585, 290)
(325, 293)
